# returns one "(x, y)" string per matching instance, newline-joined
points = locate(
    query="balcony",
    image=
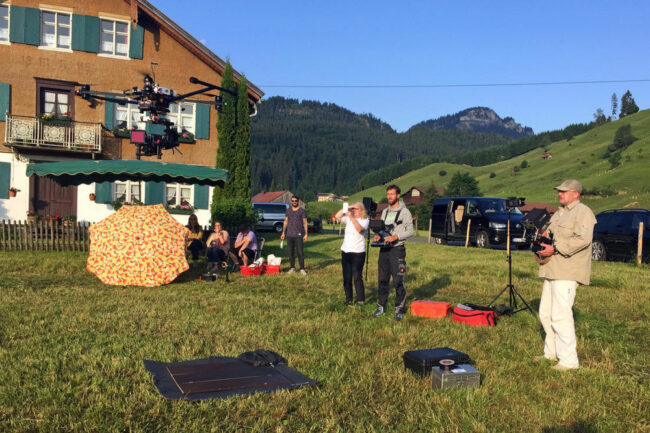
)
(27, 132)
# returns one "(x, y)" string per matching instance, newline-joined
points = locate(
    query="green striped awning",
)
(78, 172)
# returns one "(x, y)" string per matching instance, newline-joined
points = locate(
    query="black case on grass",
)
(422, 361)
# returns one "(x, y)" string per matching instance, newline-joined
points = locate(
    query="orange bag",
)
(430, 308)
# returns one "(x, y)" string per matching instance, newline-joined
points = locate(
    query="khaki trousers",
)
(556, 315)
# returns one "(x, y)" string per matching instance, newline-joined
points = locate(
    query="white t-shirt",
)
(353, 241)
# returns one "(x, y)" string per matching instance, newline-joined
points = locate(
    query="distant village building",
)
(275, 197)
(326, 196)
(547, 155)
(530, 205)
(415, 195)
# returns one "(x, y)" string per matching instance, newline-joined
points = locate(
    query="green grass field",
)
(580, 158)
(71, 349)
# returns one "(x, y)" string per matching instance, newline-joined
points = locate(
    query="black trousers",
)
(216, 255)
(352, 264)
(295, 243)
(195, 246)
(392, 263)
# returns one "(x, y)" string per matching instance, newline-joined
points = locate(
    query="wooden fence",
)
(44, 236)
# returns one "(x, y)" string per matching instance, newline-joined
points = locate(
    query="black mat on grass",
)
(221, 377)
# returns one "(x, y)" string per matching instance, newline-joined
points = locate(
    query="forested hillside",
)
(311, 147)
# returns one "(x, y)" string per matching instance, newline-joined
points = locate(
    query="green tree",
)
(614, 105)
(599, 117)
(524, 164)
(615, 159)
(442, 173)
(622, 138)
(628, 105)
(242, 148)
(423, 210)
(463, 185)
(226, 134)
(493, 175)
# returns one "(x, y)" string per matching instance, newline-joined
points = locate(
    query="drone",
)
(153, 101)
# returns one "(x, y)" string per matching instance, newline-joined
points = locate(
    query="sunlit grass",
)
(72, 348)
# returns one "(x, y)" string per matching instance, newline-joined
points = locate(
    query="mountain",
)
(309, 146)
(478, 119)
(584, 156)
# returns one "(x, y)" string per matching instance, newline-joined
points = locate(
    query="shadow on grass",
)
(576, 427)
(429, 289)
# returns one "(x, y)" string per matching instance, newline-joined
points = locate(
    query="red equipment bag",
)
(486, 317)
(430, 308)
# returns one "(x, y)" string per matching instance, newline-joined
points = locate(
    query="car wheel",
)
(482, 240)
(598, 252)
(278, 228)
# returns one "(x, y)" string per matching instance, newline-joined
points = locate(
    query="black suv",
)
(489, 218)
(616, 234)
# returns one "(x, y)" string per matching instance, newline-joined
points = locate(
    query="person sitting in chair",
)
(194, 241)
(245, 245)
(218, 248)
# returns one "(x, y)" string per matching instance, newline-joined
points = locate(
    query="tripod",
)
(513, 294)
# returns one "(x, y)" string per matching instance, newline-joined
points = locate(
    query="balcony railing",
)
(32, 132)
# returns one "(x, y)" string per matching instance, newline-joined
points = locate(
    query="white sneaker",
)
(291, 271)
(303, 272)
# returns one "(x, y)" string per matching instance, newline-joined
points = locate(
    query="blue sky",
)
(380, 43)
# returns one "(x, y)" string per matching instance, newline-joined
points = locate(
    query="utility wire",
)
(431, 86)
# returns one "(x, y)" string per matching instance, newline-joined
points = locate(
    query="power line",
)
(432, 86)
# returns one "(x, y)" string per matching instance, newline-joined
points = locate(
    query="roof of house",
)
(530, 205)
(267, 196)
(194, 46)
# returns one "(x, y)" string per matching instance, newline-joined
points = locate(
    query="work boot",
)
(378, 312)
(291, 271)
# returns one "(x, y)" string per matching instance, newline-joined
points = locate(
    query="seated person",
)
(218, 248)
(194, 241)
(245, 245)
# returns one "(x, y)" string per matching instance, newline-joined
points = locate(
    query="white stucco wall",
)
(15, 208)
(87, 211)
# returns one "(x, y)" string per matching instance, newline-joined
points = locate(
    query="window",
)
(4, 23)
(128, 116)
(128, 192)
(178, 194)
(55, 102)
(114, 38)
(55, 30)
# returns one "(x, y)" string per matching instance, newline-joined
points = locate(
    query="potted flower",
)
(13, 191)
(121, 132)
(55, 119)
(32, 216)
(183, 209)
(69, 220)
(186, 137)
(92, 196)
(53, 219)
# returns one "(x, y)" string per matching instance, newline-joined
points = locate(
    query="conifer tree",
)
(226, 133)
(628, 105)
(242, 163)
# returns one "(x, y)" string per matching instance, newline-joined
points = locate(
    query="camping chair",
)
(260, 247)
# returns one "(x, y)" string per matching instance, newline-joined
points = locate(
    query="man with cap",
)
(565, 264)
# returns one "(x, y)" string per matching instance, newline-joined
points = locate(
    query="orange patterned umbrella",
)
(138, 246)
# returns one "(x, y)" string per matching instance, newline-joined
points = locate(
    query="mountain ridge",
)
(478, 119)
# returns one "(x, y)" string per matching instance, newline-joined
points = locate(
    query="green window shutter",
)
(154, 192)
(5, 177)
(154, 128)
(136, 43)
(85, 33)
(25, 25)
(5, 100)
(202, 125)
(109, 114)
(103, 192)
(201, 196)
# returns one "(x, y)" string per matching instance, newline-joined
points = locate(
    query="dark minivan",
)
(616, 234)
(488, 216)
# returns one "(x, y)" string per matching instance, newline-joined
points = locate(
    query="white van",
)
(271, 216)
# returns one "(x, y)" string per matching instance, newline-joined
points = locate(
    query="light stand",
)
(513, 294)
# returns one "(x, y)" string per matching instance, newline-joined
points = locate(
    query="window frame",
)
(177, 197)
(128, 196)
(8, 41)
(57, 85)
(128, 38)
(176, 118)
(56, 30)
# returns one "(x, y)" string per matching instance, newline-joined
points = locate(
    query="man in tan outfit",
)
(567, 263)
